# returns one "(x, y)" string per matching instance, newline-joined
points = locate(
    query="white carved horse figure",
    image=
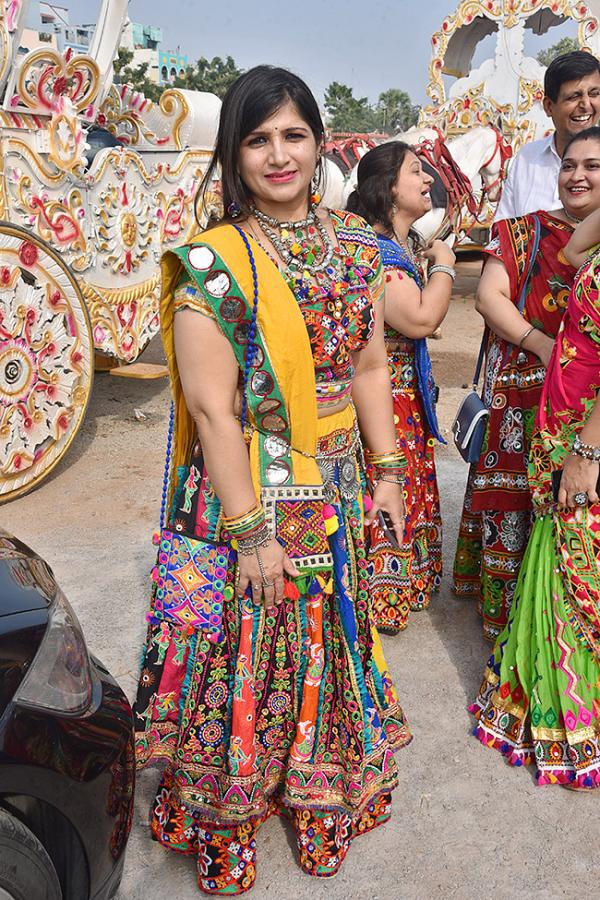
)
(468, 170)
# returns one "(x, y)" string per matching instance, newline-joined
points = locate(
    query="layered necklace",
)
(303, 245)
(312, 265)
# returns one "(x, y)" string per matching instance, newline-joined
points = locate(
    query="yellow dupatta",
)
(285, 340)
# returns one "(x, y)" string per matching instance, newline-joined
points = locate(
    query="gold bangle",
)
(249, 522)
(382, 459)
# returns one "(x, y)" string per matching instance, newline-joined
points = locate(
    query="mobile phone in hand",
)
(385, 523)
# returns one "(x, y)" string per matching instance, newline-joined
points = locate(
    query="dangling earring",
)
(233, 210)
(315, 194)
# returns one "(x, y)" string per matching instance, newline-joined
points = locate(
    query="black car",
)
(67, 765)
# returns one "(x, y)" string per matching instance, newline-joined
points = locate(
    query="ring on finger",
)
(256, 587)
(580, 498)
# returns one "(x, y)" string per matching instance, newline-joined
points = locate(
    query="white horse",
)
(479, 154)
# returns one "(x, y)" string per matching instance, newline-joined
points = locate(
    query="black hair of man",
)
(568, 67)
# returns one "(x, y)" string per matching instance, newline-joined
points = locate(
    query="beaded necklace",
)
(296, 242)
(309, 256)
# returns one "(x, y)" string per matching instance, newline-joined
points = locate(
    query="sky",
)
(371, 45)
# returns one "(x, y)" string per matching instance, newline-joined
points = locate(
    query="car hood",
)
(26, 581)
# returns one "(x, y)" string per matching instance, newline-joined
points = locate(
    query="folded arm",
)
(502, 316)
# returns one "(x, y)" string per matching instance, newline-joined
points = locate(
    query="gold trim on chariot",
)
(168, 104)
(63, 68)
(123, 295)
(16, 145)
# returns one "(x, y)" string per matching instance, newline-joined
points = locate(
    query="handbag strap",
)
(249, 358)
(165, 487)
(484, 339)
(532, 256)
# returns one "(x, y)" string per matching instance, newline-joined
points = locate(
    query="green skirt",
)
(540, 696)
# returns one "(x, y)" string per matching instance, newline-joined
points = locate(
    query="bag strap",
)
(484, 340)
(165, 487)
(532, 256)
(249, 358)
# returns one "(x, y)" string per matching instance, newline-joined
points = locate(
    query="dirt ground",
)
(465, 824)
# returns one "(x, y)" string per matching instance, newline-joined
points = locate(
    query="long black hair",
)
(252, 98)
(376, 176)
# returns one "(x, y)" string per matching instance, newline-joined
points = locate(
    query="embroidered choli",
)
(340, 321)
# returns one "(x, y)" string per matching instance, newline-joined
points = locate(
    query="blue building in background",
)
(170, 65)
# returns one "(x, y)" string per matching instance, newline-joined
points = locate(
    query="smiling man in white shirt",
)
(572, 100)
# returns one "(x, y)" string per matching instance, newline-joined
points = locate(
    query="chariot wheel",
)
(46, 360)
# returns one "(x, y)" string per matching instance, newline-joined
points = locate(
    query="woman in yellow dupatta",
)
(270, 318)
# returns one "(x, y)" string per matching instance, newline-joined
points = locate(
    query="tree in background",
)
(136, 76)
(396, 111)
(214, 76)
(565, 45)
(393, 112)
(345, 112)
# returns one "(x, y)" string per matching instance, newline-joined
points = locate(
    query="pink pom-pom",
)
(543, 779)
(367, 502)
(328, 511)
(155, 573)
(156, 538)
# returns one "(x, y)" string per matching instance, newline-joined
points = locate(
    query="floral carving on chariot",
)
(508, 87)
(45, 201)
(46, 75)
(135, 120)
(126, 225)
(124, 319)
(175, 204)
(45, 360)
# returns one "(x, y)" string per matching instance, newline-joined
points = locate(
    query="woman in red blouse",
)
(497, 511)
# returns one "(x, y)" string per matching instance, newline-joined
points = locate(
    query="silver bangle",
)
(248, 546)
(587, 451)
(447, 270)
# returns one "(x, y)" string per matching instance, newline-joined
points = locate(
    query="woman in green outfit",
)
(540, 696)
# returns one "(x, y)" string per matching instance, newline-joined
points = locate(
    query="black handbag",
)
(468, 428)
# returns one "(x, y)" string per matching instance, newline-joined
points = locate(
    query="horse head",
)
(493, 170)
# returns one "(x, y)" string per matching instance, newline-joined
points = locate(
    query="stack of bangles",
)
(388, 466)
(249, 533)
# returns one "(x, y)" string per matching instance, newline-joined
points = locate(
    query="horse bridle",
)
(505, 150)
(457, 185)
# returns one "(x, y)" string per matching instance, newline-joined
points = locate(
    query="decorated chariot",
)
(503, 93)
(82, 229)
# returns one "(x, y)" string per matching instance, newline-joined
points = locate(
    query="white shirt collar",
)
(550, 145)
